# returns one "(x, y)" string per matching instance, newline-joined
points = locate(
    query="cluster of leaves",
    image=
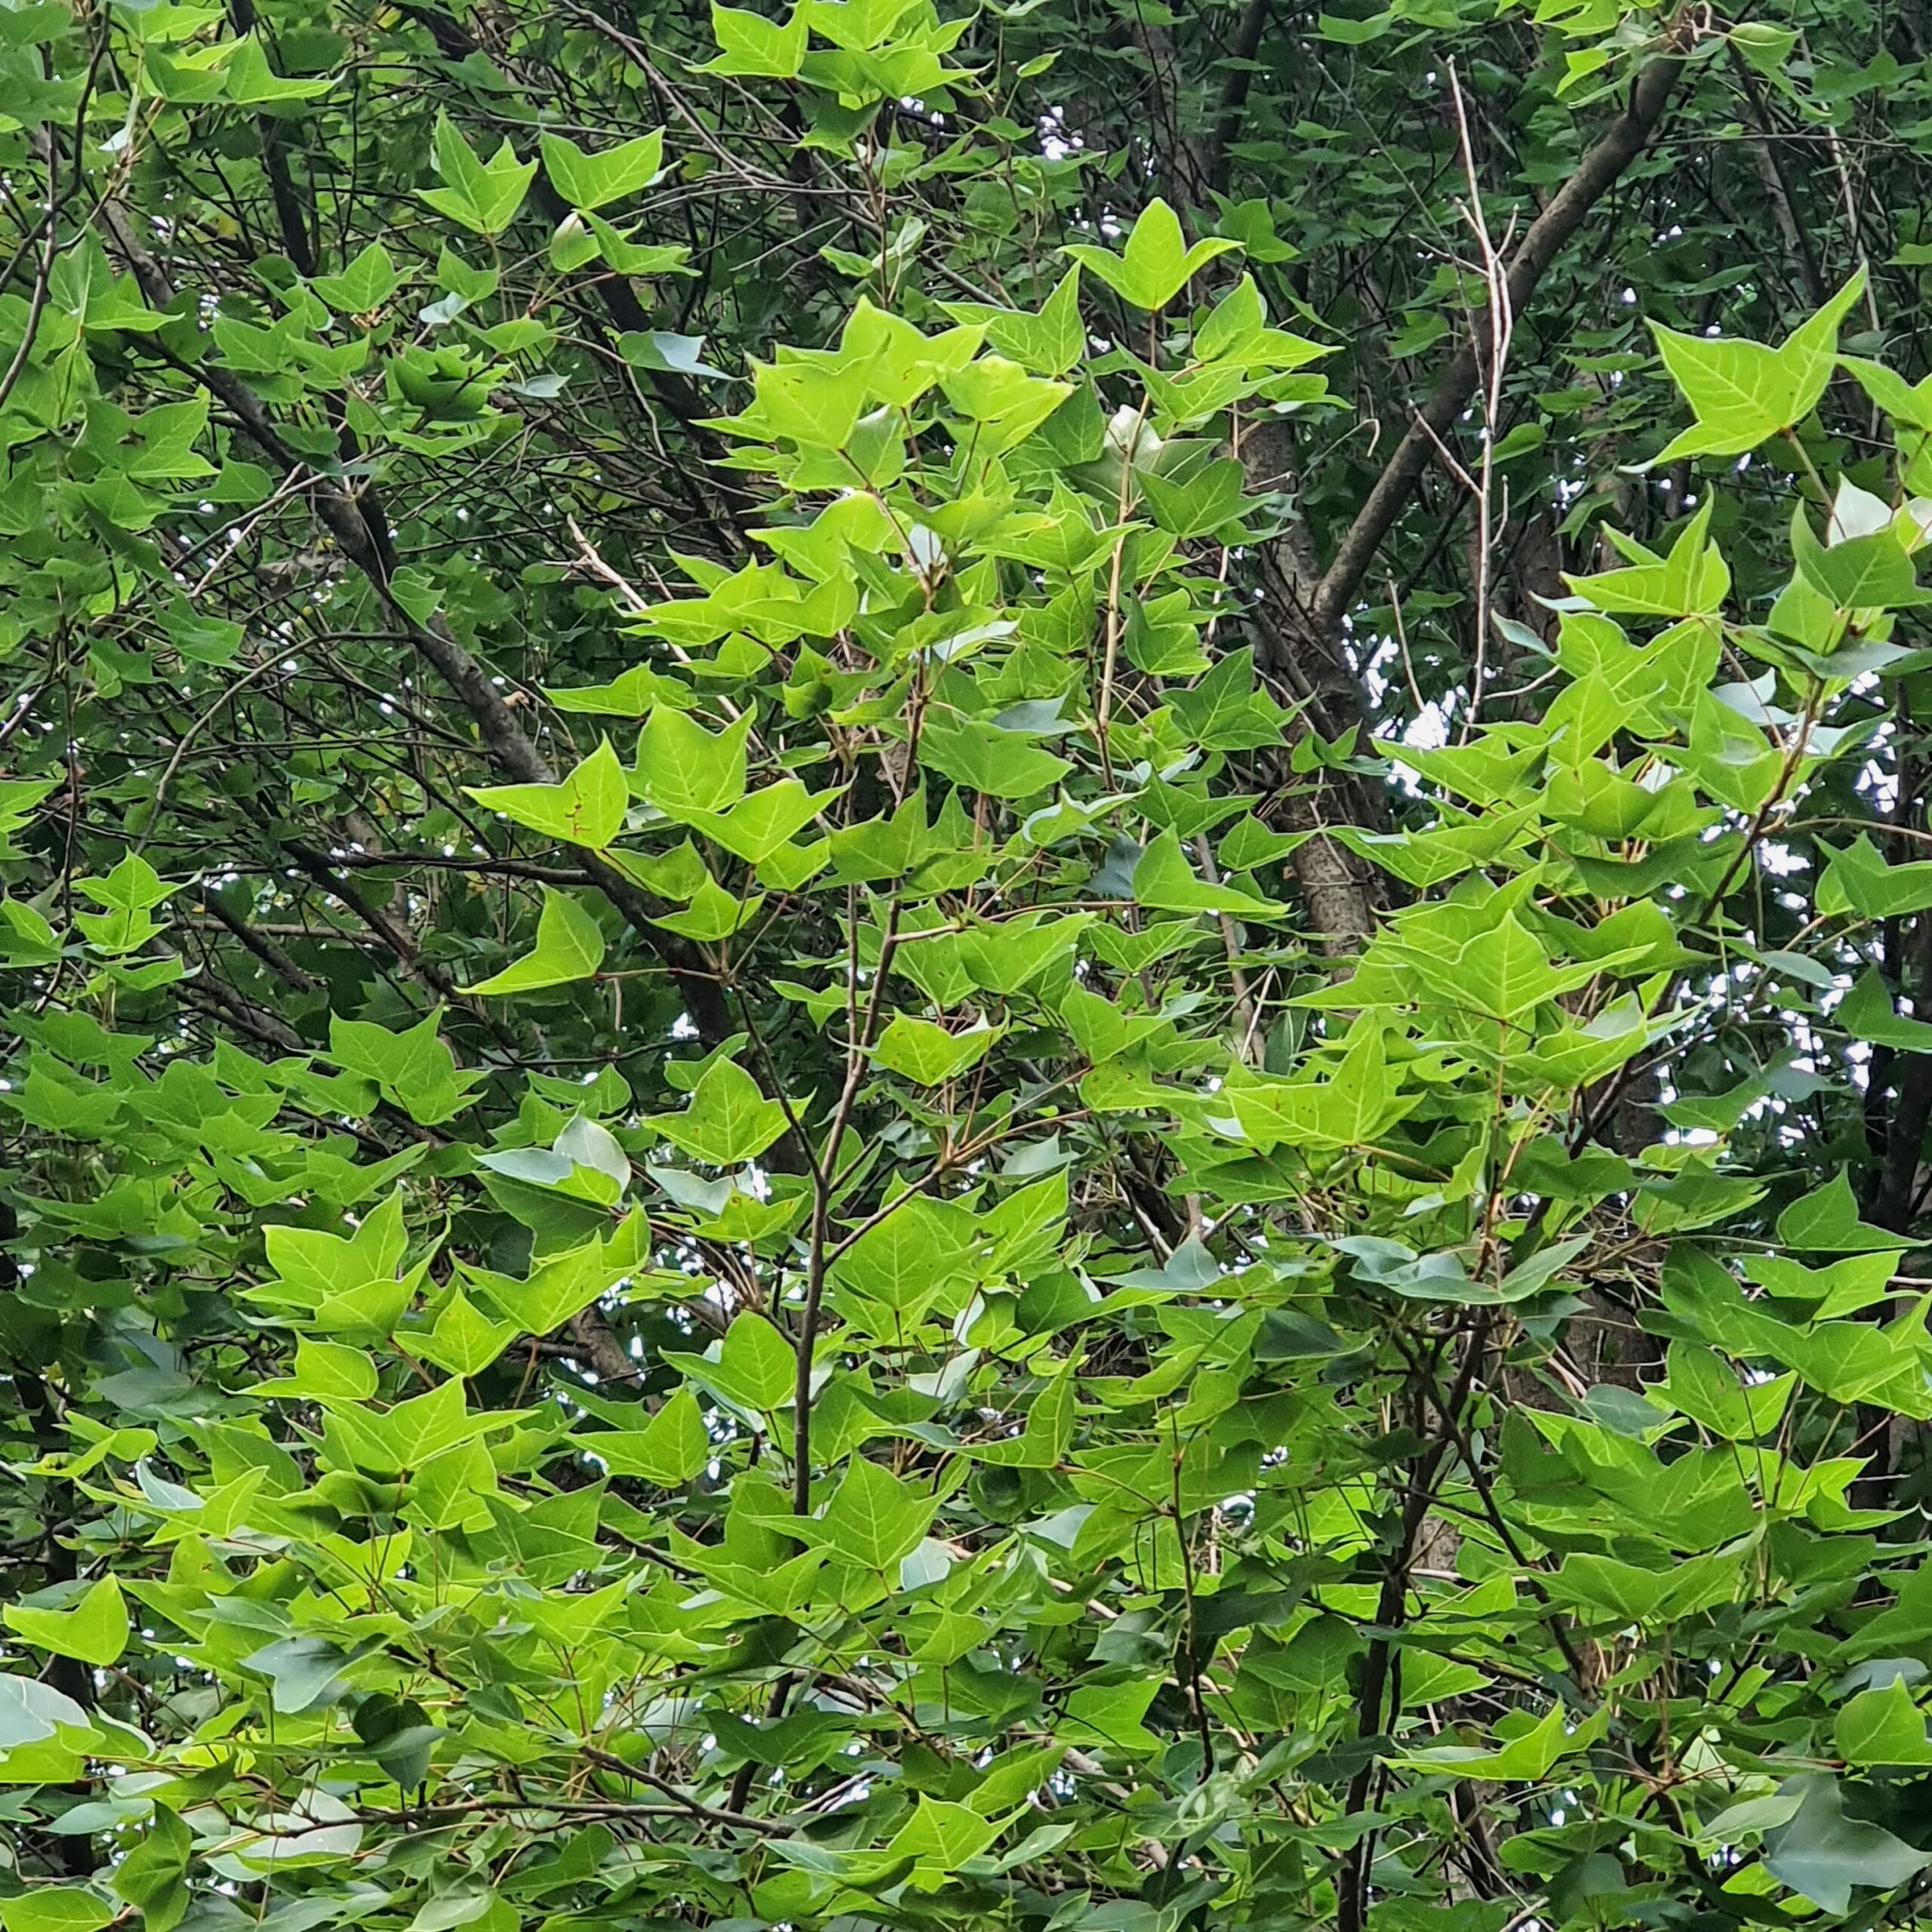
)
(784, 1147)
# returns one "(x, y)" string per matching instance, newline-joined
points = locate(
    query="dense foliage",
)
(964, 968)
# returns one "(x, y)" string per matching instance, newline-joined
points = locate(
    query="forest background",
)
(965, 966)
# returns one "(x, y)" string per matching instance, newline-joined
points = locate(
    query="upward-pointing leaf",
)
(756, 827)
(1349, 1110)
(414, 1431)
(752, 45)
(728, 1122)
(926, 1053)
(321, 1263)
(366, 284)
(903, 1257)
(1872, 569)
(681, 767)
(875, 1518)
(669, 1450)
(1867, 1013)
(1002, 764)
(484, 195)
(415, 1068)
(944, 1836)
(1857, 879)
(1163, 879)
(1049, 343)
(252, 83)
(1690, 582)
(752, 1368)
(1205, 502)
(465, 1341)
(1825, 1221)
(1503, 972)
(127, 892)
(1743, 392)
(1157, 264)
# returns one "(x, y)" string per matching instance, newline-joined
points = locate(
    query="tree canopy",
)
(964, 966)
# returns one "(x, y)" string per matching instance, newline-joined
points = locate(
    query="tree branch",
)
(362, 535)
(1597, 171)
(271, 955)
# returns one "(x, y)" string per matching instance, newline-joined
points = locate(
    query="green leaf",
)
(753, 1367)
(483, 196)
(416, 1069)
(464, 1340)
(1824, 1852)
(554, 1290)
(671, 1448)
(153, 1877)
(250, 82)
(1527, 1756)
(1883, 1726)
(53, 1909)
(654, 348)
(569, 946)
(95, 1630)
(1867, 1013)
(752, 46)
(1857, 879)
(1743, 393)
(1600, 1588)
(729, 1120)
(1002, 764)
(1164, 880)
(588, 181)
(416, 1431)
(714, 914)
(1826, 1220)
(757, 827)
(683, 768)
(1349, 1110)
(1004, 404)
(1873, 570)
(1207, 501)
(303, 1672)
(942, 1837)
(1347, 33)
(1157, 264)
(587, 808)
(1049, 343)
(31, 1711)
(400, 1740)
(928, 1054)
(127, 893)
(1501, 970)
(907, 1256)
(1691, 582)
(874, 1518)
(323, 1368)
(1224, 712)
(364, 286)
